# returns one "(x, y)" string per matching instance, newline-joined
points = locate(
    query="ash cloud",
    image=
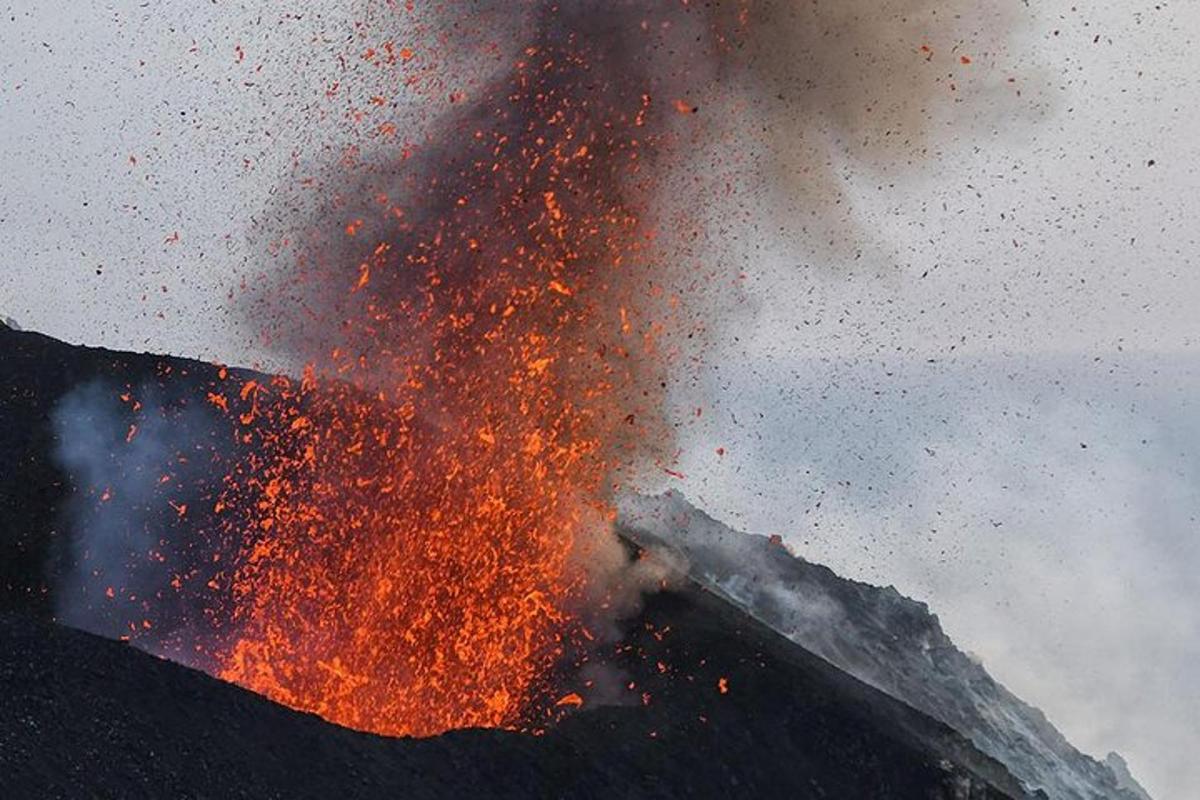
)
(869, 92)
(761, 113)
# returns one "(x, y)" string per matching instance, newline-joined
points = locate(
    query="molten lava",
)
(409, 512)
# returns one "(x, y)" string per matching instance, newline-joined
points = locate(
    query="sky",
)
(964, 365)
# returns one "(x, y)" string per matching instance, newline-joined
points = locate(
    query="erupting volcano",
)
(529, 296)
(411, 523)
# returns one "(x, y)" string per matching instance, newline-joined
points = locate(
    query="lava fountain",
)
(485, 339)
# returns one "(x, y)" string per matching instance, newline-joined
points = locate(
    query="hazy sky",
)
(981, 363)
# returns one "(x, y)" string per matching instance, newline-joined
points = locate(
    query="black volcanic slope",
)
(82, 716)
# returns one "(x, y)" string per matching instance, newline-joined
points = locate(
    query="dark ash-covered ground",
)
(82, 716)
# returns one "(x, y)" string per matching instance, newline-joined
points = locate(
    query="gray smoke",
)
(132, 564)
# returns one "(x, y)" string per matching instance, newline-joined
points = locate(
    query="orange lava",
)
(414, 511)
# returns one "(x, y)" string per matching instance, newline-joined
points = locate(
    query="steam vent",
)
(462, 399)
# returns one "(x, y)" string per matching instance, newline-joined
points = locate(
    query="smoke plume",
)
(142, 464)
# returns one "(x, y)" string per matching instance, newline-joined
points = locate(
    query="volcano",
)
(693, 691)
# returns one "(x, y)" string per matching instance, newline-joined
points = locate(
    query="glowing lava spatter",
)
(414, 511)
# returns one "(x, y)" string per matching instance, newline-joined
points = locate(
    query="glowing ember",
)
(413, 517)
